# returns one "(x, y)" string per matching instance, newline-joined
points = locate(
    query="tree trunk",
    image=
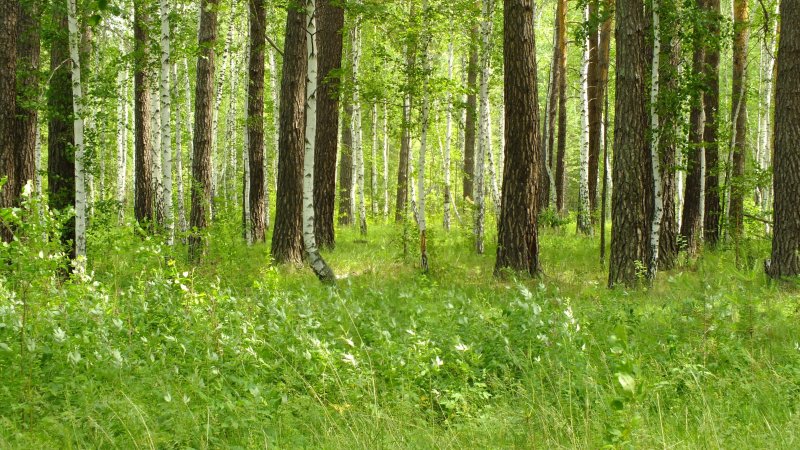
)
(179, 120)
(712, 208)
(447, 140)
(143, 202)
(385, 160)
(203, 129)
(741, 17)
(629, 220)
(423, 137)
(655, 146)
(785, 260)
(469, 123)
(166, 135)
(287, 238)
(122, 142)
(484, 136)
(373, 173)
(255, 120)
(346, 168)
(594, 104)
(318, 264)
(358, 147)
(60, 155)
(517, 240)
(405, 140)
(560, 170)
(584, 220)
(764, 146)
(330, 22)
(77, 110)
(9, 14)
(28, 50)
(273, 74)
(670, 114)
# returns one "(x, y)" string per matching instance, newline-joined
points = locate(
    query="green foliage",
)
(145, 351)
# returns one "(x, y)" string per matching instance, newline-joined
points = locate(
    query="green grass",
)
(147, 353)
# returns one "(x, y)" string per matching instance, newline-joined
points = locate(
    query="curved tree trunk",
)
(287, 238)
(785, 260)
(517, 240)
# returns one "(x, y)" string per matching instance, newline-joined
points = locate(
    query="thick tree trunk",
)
(330, 22)
(203, 129)
(287, 239)
(469, 123)
(318, 264)
(629, 216)
(9, 14)
(517, 240)
(741, 17)
(60, 156)
(785, 260)
(28, 50)
(671, 117)
(713, 206)
(255, 120)
(594, 104)
(143, 201)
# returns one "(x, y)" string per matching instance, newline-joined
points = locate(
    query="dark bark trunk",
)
(346, 168)
(9, 10)
(203, 116)
(143, 171)
(469, 125)
(60, 154)
(670, 107)
(28, 50)
(739, 116)
(330, 21)
(559, 164)
(287, 239)
(595, 108)
(786, 238)
(517, 240)
(630, 224)
(255, 120)
(405, 143)
(713, 207)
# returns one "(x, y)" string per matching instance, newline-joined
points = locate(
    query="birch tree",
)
(448, 137)
(584, 214)
(179, 120)
(374, 162)
(385, 160)
(318, 264)
(423, 245)
(483, 128)
(166, 137)
(77, 108)
(358, 149)
(122, 142)
(655, 158)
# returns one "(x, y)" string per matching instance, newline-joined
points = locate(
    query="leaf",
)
(627, 382)
(94, 20)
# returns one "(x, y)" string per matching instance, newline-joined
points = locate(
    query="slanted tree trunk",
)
(785, 261)
(741, 18)
(330, 22)
(60, 140)
(166, 135)
(287, 238)
(490, 167)
(629, 219)
(255, 120)
(318, 264)
(471, 110)
(517, 240)
(143, 202)
(203, 130)
(584, 221)
(712, 204)
(77, 110)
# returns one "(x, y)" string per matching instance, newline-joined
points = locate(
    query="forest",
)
(399, 224)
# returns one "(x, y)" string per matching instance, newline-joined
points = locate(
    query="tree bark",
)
(255, 120)
(28, 50)
(9, 14)
(517, 240)
(203, 129)
(77, 110)
(594, 104)
(287, 238)
(713, 206)
(346, 168)
(584, 221)
(166, 131)
(631, 153)
(143, 201)
(785, 259)
(559, 163)
(469, 124)
(741, 16)
(484, 130)
(358, 147)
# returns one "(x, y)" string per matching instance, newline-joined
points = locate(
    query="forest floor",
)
(145, 353)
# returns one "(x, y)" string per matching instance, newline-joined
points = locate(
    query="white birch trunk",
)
(374, 162)
(385, 161)
(228, 156)
(447, 140)
(490, 163)
(215, 167)
(122, 142)
(584, 221)
(157, 175)
(501, 150)
(658, 196)
(423, 142)
(358, 150)
(764, 152)
(179, 154)
(246, 222)
(166, 136)
(483, 128)
(321, 269)
(77, 107)
(273, 74)
(187, 86)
